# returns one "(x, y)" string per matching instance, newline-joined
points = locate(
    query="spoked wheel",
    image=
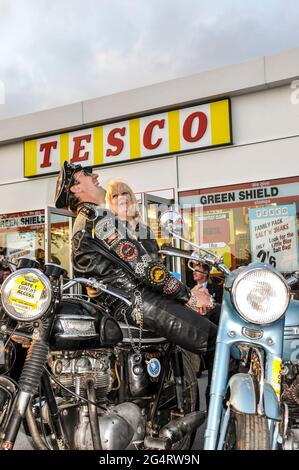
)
(191, 400)
(247, 432)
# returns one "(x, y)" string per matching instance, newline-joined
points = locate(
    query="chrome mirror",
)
(171, 222)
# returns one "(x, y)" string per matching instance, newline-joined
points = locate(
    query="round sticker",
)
(127, 251)
(154, 367)
(26, 292)
(157, 274)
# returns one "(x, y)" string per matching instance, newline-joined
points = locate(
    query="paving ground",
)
(23, 443)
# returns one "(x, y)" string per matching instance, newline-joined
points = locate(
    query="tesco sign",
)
(164, 133)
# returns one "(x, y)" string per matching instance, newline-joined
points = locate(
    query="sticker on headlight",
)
(26, 293)
(276, 375)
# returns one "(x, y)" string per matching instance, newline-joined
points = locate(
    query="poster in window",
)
(20, 244)
(216, 232)
(273, 236)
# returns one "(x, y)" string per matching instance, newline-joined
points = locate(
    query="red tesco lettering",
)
(115, 141)
(148, 132)
(47, 147)
(78, 147)
(201, 129)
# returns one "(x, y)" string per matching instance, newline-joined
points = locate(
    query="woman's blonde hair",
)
(118, 186)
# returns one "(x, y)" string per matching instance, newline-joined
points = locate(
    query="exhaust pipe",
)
(175, 431)
(38, 442)
(93, 415)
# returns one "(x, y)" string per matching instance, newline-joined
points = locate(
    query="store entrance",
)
(152, 207)
(58, 238)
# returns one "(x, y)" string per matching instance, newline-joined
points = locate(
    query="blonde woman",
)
(121, 200)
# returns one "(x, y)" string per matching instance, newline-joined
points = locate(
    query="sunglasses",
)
(84, 171)
(87, 171)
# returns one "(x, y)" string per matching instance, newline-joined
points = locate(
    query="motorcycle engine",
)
(120, 425)
(72, 369)
(120, 428)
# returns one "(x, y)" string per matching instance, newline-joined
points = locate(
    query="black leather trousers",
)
(178, 323)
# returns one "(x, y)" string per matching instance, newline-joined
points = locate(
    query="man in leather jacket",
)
(104, 248)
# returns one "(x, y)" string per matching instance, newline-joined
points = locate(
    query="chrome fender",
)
(242, 393)
(243, 397)
(271, 402)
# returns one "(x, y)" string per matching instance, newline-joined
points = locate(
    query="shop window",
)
(23, 234)
(60, 236)
(249, 222)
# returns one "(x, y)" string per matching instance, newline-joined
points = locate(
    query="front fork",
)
(216, 418)
(28, 385)
(217, 393)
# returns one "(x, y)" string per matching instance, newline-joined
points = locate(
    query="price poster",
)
(273, 236)
(217, 233)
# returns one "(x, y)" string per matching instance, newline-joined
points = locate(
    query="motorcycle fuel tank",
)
(82, 325)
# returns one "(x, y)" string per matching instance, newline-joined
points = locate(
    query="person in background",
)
(40, 257)
(201, 276)
(212, 293)
(212, 290)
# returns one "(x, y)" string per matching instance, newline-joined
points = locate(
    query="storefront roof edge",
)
(255, 75)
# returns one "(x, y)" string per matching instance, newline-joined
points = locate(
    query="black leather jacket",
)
(103, 248)
(93, 258)
(146, 237)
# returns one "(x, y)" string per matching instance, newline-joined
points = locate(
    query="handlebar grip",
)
(292, 280)
(177, 250)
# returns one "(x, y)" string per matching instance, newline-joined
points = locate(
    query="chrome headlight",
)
(260, 295)
(26, 294)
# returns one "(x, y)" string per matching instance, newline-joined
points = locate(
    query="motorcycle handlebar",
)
(223, 268)
(293, 279)
(98, 286)
(169, 248)
(195, 256)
